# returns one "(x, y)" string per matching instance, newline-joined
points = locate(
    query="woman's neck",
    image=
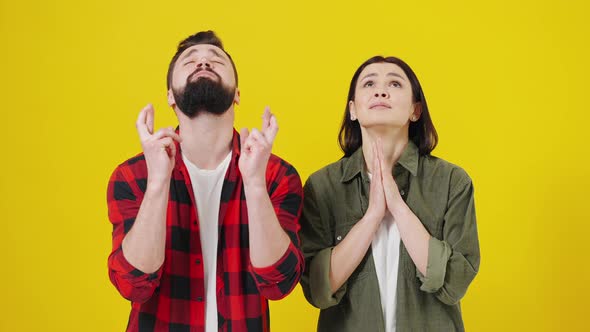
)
(392, 141)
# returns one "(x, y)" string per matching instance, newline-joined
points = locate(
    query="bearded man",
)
(205, 220)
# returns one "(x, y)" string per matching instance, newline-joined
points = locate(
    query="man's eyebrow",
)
(214, 51)
(191, 52)
(194, 50)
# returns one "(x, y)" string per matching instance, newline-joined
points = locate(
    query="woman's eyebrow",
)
(396, 75)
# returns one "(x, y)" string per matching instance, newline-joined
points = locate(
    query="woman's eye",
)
(368, 84)
(188, 63)
(395, 84)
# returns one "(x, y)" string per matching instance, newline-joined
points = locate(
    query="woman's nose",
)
(382, 94)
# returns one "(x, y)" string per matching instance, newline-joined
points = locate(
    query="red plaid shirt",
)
(173, 298)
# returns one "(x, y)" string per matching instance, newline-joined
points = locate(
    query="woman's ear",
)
(417, 112)
(352, 110)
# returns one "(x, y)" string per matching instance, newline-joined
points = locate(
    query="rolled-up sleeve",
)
(278, 280)
(317, 246)
(123, 206)
(453, 261)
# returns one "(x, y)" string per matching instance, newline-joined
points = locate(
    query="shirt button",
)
(402, 192)
(198, 261)
(339, 237)
(195, 223)
(200, 299)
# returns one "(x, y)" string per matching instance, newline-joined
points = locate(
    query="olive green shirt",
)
(440, 194)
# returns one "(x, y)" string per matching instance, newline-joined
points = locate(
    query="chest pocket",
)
(355, 207)
(429, 206)
(349, 209)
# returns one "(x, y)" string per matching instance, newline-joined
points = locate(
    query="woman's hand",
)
(393, 198)
(377, 201)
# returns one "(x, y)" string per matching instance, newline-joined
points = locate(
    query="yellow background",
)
(506, 82)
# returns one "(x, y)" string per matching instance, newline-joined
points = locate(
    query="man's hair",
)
(204, 37)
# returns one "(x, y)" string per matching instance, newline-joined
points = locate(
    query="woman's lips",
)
(380, 106)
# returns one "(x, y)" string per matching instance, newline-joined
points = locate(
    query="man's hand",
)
(256, 147)
(159, 149)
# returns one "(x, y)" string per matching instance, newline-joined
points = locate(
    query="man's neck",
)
(206, 138)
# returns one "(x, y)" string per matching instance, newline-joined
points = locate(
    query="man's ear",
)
(171, 100)
(237, 97)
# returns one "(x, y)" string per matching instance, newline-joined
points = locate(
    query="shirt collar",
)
(409, 158)
(356, 162)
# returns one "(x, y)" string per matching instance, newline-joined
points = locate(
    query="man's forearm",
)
(268, 240)
(144, 245)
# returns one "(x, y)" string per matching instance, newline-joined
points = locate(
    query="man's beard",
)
(203, 95)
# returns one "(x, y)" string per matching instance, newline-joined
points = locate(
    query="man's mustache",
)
(198, 70)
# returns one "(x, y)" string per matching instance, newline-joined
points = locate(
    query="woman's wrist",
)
(400, 210)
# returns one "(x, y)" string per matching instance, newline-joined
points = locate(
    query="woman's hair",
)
(421, 132)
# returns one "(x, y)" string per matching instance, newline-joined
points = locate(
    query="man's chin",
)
(202, 111)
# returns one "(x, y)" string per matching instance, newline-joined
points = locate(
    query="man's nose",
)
(204, 62)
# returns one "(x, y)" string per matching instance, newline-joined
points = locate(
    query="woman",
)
(388, 231)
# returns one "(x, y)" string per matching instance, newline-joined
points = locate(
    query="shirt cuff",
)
(128, 272)
(280, 270)
(319, 275)
(439, 253)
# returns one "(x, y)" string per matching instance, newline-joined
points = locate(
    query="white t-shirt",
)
(207, 186)
(385, 247)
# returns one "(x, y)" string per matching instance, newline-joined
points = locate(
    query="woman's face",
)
(383, 97)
